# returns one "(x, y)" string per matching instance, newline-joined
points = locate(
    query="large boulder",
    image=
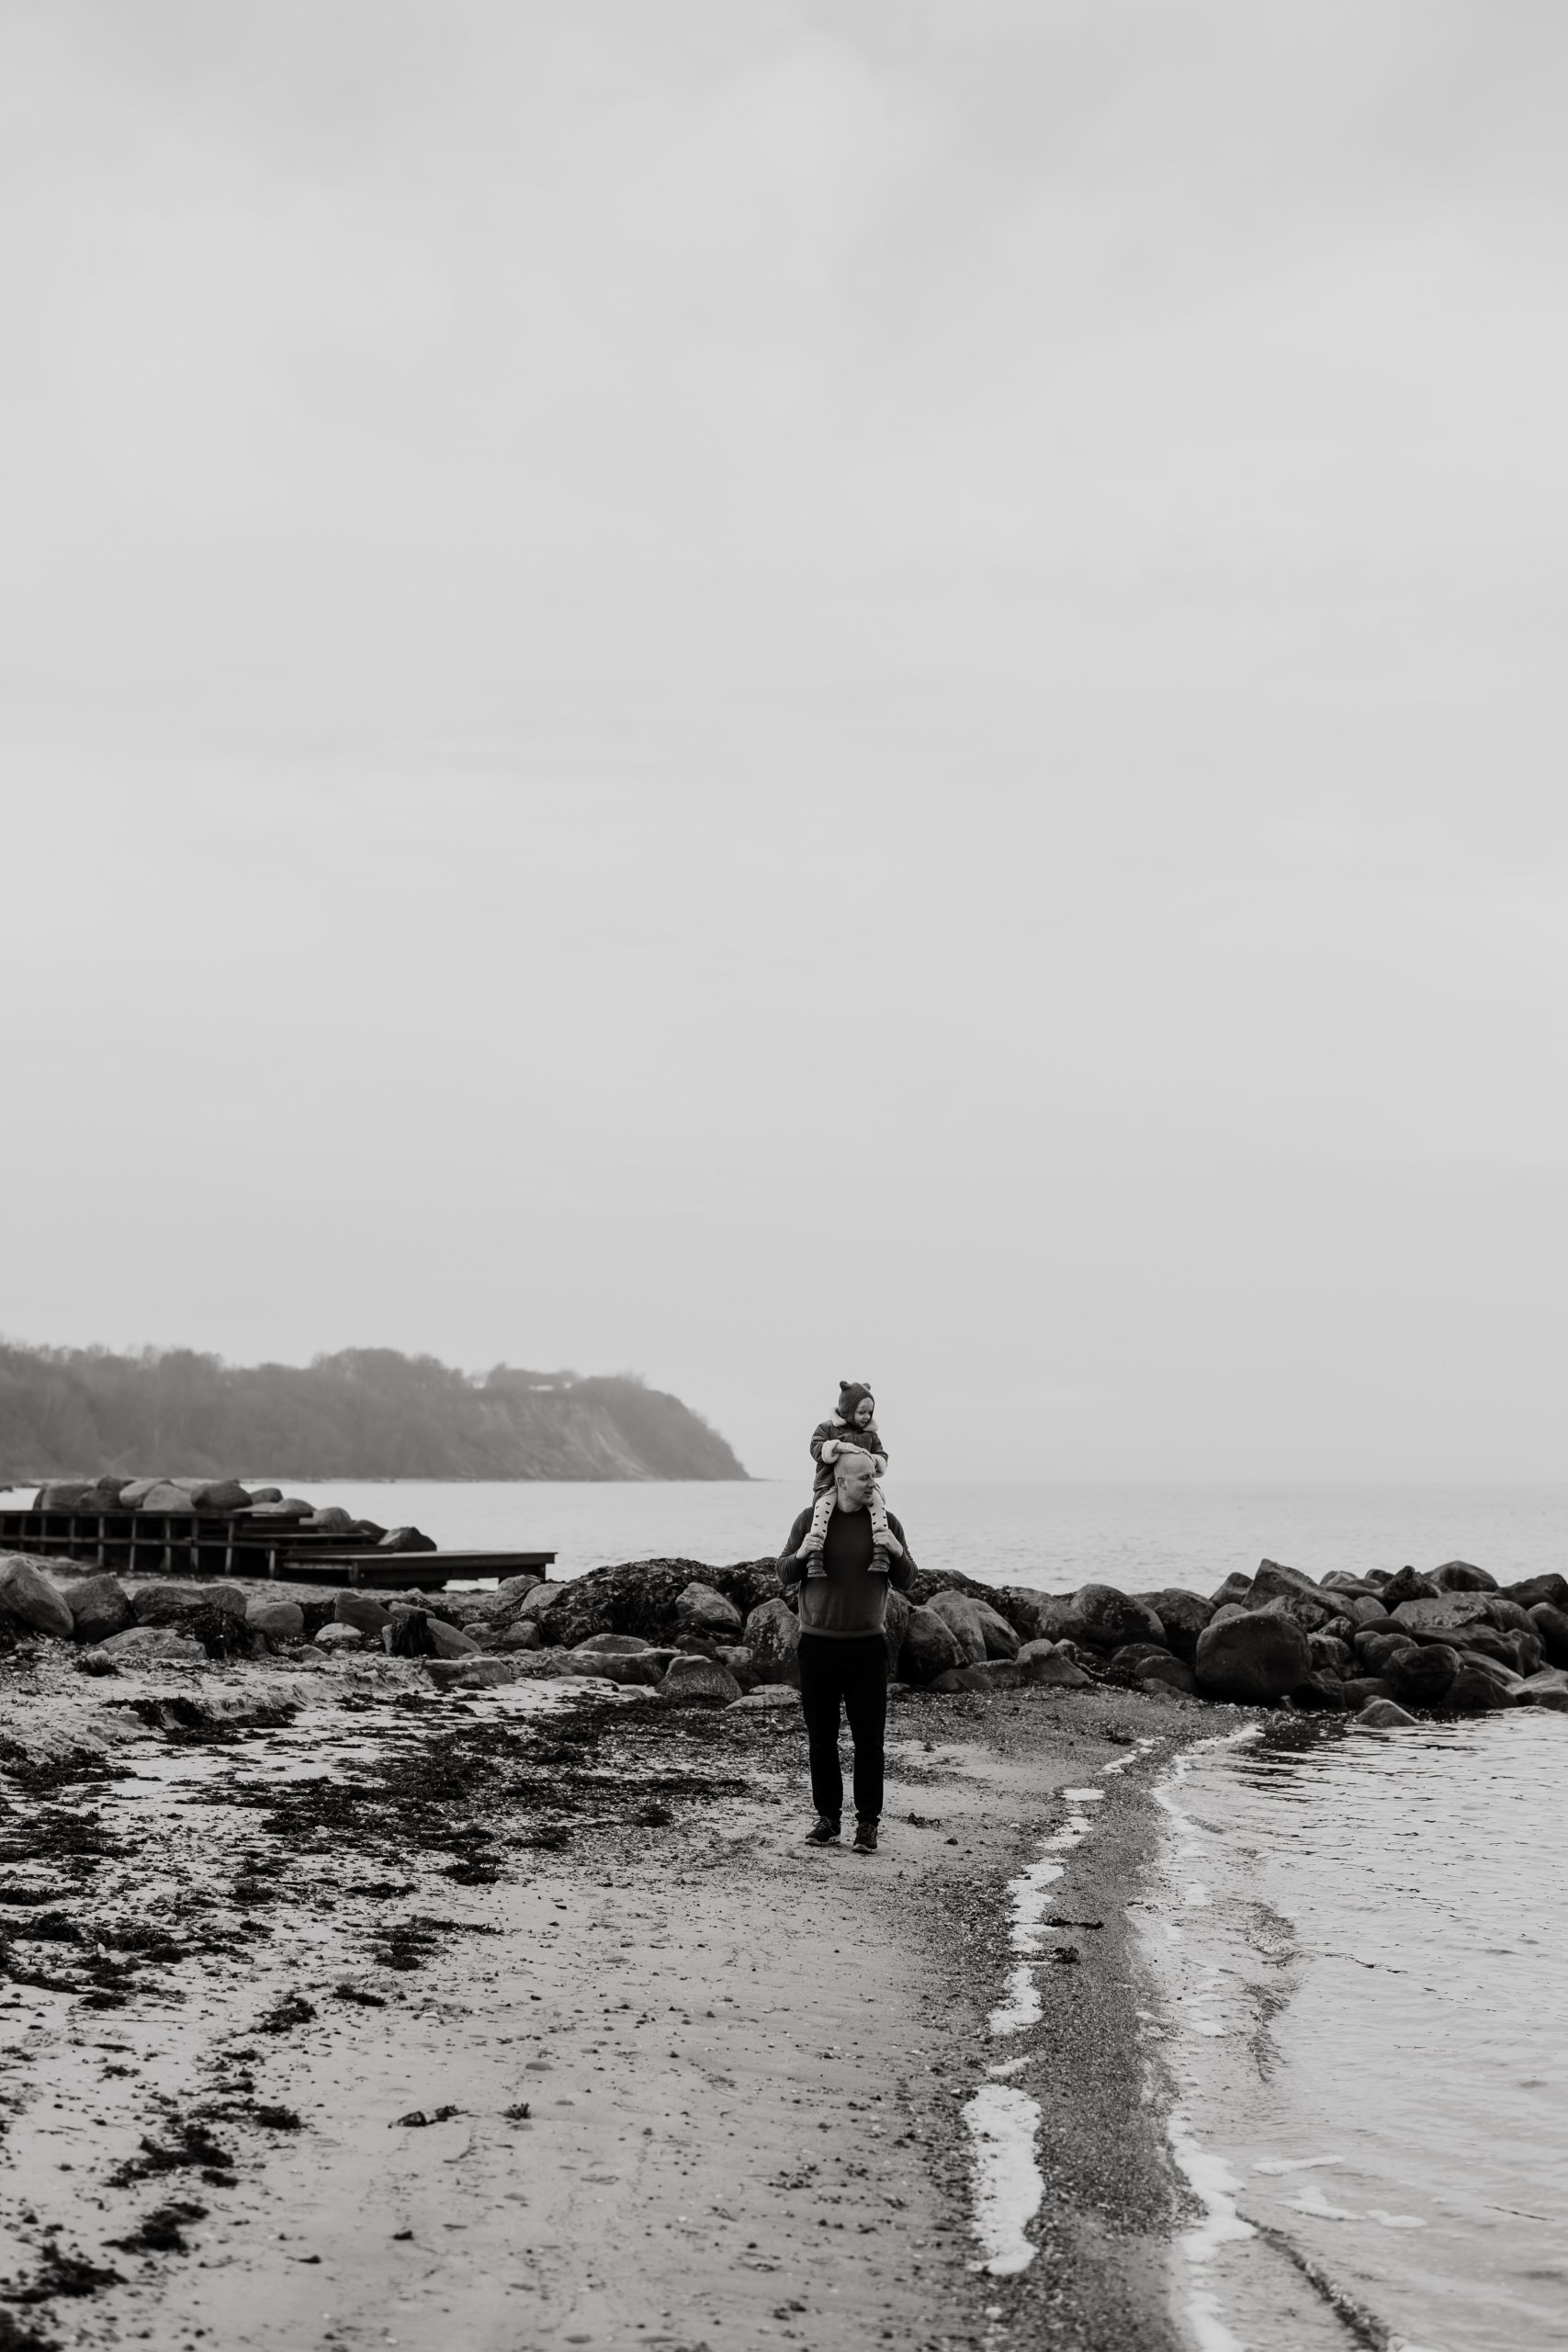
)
(1342, 1581)
(507, 1639)
(700, 1610)
(1110, 1618)
(1422, 1675)
(772, 1636)
(1444, 1613)
(1472, 1691)
(99, 1606)
(1408, 1585)
(931, 1647)
(1236, 1588)
(289, 1510)
(688, 1678)
(166, 1498)
(1361, 1690)
(448, 1641)
(1551, 1631)
(27, 1598)
(1552, 1589)
(63, 1495)
(406, 1539)
(1462, 1575)
(640, 1667)
(1048, 1662)
(337, 1636)
(961, 1616)
(1315, 1613)
(1182, 1616)
(220, 1495)
(362, 1610)
(1363, 1608)
(1173, 1673)
(279, 1621)
(1274, 1579)
(895, 1625)
(1029, 1614)
(102, 1498)
(1330, 1656)
(1375, 1652)
(1254, 1659)
(135, 1492)
(1549, 1688)
(512, 1589)
(330, 1519)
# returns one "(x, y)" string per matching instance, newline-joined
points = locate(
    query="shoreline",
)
(750, 2068)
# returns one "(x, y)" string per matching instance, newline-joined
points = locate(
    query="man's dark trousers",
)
(852, 1673)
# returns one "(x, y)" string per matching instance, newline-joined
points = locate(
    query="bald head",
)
(854, 1475)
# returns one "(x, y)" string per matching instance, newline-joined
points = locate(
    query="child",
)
(851, 1428)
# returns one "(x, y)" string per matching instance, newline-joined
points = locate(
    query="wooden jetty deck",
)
(208, 1543)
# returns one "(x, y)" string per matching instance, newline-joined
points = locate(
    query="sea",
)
(1355, 1945)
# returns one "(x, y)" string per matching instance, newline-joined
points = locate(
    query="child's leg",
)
(811, 1549)
(878, 1510)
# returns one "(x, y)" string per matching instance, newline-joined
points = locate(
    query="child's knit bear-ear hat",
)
(850, 1395)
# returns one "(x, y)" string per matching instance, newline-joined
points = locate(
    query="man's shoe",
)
(866, 1836)
(826, 1832)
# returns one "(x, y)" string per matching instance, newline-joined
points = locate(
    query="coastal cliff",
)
(364, 1413)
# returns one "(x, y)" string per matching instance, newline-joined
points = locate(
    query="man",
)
(843, 1658)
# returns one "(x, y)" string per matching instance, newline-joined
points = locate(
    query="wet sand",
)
(708, 2085)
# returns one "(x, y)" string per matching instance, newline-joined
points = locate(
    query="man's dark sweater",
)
(850, 1601)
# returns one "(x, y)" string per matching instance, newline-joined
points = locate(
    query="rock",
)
(1552, 1590)
(448, 1641)
(768, 1698)
(1496, 1670)
(1236, 1588)
(1110, 1618)
(167, 1498)
(1320, 1693)
(741, 1664)
(1048, 1662)
(153, 1641)
(280, 1621)
(1407, 1586)
(1461, 1575)
(1158, 1666)
(473, 1673)
(339, 1637)
(27, 1598)
(371, 1530)
(961, 1616)
(1330, 1656)
(287, 1509)
(895, 1625)
(1420, 1676)
(1362, 1688)
(1028, 1612)
(362, 1609)
(512, 1589)
(1182, 1616)
(1128, 1658)
(643, 1669)
(1549, 1688)
(986, 1675)
(1383, 1715)
(1226, 1612)
(62, 1495)
(1253, 1659)
(931, 1647)
(171, 1604)
(700, 1610)
(1375, 1650)
(406, 1539)
(1472, 1691)
(1551, 1626)
(772, 1636)
(1364, 1608)
(102, 1498)
(615, 1644)
(99, 1606)
(537, 1603)
(220, 1495)
(266, 1494)
(1273, 1579)
(329, 1519)
(1341, 1580)
(512, 1638)
(1315, 1613)
(95, 1662)
(690, 1678)
(135, 1492)
(1446, 1611)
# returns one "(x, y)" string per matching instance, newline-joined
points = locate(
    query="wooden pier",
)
(210, 1543)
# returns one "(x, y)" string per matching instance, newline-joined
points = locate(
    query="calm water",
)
(1055, 1537)
(1360, 1945)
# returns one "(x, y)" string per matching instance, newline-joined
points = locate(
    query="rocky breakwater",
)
(1382, 1646)
(259, 1511)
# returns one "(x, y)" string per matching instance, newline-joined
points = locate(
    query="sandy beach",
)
(682, 2080)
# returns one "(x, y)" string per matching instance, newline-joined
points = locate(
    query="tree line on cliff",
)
(362, 1413)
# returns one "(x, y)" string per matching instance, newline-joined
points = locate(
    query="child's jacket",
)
(834, 1433)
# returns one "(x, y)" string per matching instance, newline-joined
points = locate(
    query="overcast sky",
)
(865, 688)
